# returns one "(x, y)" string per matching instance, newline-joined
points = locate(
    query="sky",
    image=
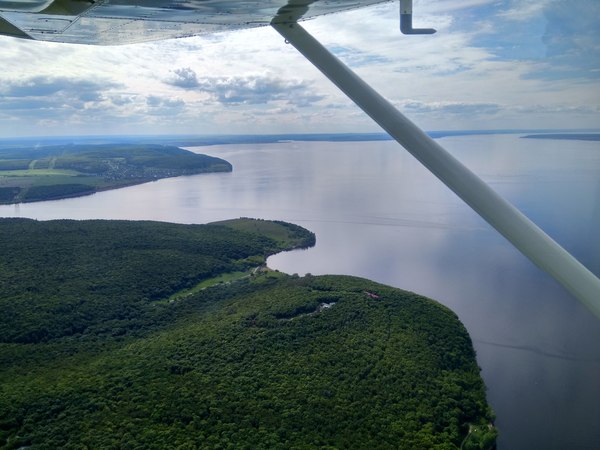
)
(513, 64)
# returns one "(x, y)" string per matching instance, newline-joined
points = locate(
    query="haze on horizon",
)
(492, 65)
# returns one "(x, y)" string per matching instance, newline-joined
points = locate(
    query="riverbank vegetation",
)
(91, 356)
(53, 172)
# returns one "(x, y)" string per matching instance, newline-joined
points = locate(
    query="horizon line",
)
(215, 139)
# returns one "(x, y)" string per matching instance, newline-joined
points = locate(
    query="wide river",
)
(378, 214)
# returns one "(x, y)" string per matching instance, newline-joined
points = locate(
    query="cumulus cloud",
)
(163, 102)
(121, 99)
(64, 104)
(152, 100)
(43, 97)
(46, 86)
(248, 89)
(184, 78)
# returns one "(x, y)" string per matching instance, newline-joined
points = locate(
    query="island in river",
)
(53, 172)
(123, 334)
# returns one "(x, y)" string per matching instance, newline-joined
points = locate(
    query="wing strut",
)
(510, 222)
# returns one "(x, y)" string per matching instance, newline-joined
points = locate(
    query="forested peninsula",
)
(119, 334)
(53, 172)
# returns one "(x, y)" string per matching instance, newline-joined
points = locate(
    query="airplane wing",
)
(110, 22)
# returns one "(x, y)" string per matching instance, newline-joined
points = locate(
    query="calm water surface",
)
(379, 215)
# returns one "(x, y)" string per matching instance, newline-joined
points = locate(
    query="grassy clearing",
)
(259, 275)
(285, 235)
(220, 279)
(39, 173)
(45, 180)
(271, 229)
(480, 437)
(24, 182)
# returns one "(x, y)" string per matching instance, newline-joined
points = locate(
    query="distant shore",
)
(566, 136)
(225, 139)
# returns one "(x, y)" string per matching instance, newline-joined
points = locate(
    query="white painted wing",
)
(110, 22)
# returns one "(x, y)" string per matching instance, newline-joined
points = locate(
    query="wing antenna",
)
(406, 20)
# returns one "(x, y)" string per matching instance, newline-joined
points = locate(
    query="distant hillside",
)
(47, 173)
(119, 334)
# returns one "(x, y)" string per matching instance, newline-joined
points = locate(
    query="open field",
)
(38, 173)
(283, 233)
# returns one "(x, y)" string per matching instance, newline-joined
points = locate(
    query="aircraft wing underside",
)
(109, 22)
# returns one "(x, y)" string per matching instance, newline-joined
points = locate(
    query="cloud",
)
(572, 36)
(122, 100)
(183, 78)
(44, 86)
(357, 58)
(443, 6)
(46, 97)
(153, 101)
(563, 34)
(248, 89)
(158, 101)
(159, 106)
(557, 109)
(523, 10)
(446, 107)
(63, 104)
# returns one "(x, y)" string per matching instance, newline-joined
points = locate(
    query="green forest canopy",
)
(91, 356)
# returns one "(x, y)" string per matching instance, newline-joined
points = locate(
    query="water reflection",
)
(378, 214)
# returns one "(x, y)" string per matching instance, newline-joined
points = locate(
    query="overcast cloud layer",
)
(492, 65)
